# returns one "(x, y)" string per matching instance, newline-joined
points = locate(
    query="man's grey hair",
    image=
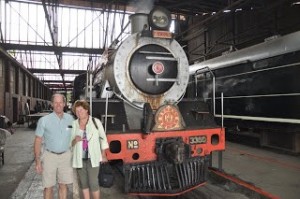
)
(58, 94)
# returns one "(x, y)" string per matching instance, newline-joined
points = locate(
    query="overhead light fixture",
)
(226, 11)
(295, 3)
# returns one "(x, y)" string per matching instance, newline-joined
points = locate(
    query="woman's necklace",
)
(83, 123)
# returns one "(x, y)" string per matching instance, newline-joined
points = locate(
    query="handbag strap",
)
(95, 123)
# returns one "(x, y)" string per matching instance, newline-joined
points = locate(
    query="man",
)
(55, 162)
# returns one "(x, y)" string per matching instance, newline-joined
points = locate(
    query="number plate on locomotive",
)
(197, 139)
(161, 34)
(132, 144)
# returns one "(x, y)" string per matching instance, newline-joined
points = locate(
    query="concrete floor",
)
(273, 173)
(18, 156)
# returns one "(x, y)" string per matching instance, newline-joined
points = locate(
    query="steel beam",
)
(55, 81)
(61, 89)
(55, 71)
(56, 86)
(61, 49)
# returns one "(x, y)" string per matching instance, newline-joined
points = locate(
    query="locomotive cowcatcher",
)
(163, 139)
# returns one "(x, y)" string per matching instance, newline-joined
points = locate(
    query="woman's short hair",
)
(84, 104)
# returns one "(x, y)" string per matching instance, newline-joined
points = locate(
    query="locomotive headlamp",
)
(158, 67)
(160, 18)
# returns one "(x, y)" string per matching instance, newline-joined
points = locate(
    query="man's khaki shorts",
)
(56, 165)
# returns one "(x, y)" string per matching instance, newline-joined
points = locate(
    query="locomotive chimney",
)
(139, 22)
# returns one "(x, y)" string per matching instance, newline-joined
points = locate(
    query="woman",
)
(89, 143)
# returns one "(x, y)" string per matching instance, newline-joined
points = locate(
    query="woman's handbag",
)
(105, 176)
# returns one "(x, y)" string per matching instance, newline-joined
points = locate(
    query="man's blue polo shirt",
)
(56, 132)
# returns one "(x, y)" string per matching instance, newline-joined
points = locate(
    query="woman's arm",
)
(75, 138)
(104, 158)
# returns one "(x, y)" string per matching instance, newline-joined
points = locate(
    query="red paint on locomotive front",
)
(145, 145)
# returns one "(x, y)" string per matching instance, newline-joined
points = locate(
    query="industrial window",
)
(24, 84)
(1, 68)
(17, 78)
(7, 77)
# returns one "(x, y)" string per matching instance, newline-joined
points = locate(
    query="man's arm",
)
(37, 153)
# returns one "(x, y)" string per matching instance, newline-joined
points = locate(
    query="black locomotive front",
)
(163, 141)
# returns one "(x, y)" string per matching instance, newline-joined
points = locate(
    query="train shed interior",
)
(243, 58)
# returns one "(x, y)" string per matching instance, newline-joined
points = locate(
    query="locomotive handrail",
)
(156, 80)
(89, 82)
(222, 109)
(106, 108)
(161, 58)
(197, 72)
(151, 52)
(261, 119)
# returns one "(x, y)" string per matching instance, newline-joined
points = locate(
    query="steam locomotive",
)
(260, 85)
(163, 139)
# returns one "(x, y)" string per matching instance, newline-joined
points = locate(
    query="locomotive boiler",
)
(163, 139)
(260, 85)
